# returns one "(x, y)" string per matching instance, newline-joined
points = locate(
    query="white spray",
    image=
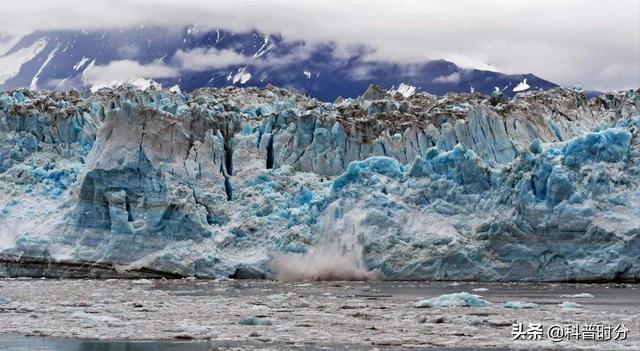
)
(337, 255)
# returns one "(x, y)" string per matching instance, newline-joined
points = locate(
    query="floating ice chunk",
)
(581, 295)
(522, 86)
(519, 304)
(307, 74)
(4, 300)
(95, 318)
(190, 328)
(480, 289)
(278, 297)
(257, 321)
(570, 305)
(462, 299)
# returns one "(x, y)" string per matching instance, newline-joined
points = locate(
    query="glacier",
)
(215, 183)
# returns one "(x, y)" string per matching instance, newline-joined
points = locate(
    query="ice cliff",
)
(122, 182)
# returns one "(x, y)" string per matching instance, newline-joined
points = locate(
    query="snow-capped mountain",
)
(191, 58)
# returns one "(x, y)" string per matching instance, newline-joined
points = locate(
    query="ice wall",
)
(220, 181)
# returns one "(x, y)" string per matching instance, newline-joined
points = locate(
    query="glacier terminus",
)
(254, 183)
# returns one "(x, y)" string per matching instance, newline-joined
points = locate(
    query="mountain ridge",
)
(194, 59)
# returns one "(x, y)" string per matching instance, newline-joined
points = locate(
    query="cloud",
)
(362, 72)
(569, 42)
(126, 69)
(128, 51)
(202, 59)
(452, 78)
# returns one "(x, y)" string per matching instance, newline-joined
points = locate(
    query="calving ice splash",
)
(262, 183)
(337, 253)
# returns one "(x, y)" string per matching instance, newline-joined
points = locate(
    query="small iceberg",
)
(579, 296)
(520, 304)
(462, 299)
(96, 318)
(257, 321)
(570, 305)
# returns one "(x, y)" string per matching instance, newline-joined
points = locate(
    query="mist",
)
(337, 255)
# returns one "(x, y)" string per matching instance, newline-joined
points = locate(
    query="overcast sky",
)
(595, 43)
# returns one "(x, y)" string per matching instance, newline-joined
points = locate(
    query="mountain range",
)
(192, 58)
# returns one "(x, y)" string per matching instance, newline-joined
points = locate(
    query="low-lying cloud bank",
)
(195, 60)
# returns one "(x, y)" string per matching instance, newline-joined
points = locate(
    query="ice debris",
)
(257, 321)
(580, 295)
(4, 300)
(95, 318)
(519, 304)
(190, 328)
(462, 299)
(567, 305)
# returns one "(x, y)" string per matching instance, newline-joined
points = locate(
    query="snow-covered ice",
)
(34, 81)
(405, 90)
(522, 86)
(10, 64)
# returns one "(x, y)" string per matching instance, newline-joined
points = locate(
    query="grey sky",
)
(595, 43)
